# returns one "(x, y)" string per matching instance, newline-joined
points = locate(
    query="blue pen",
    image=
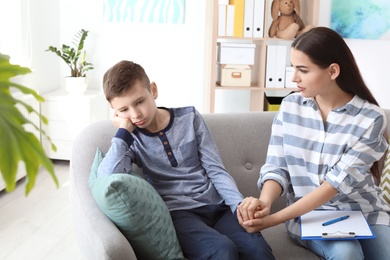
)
(332, 221)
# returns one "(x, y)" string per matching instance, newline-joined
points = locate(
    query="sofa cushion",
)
(385, 178)
(137, 210)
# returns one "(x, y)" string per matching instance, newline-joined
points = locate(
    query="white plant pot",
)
(76, 85)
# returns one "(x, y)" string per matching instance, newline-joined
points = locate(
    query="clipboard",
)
(354, 227)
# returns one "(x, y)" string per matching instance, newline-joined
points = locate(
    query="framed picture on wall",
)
(361, 19)
(144, 11)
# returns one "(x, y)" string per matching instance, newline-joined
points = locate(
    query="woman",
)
(324, 150)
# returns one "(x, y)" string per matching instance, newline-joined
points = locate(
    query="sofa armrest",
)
(97, 236)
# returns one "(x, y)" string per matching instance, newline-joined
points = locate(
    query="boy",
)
(181, 161)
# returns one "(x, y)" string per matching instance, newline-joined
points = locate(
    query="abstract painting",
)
(144, 11)
(361, 19)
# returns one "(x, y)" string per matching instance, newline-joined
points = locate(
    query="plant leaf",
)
(16, 144)
(8, 70)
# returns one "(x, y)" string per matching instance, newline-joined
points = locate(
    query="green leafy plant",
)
(17, 144)
(74, 57)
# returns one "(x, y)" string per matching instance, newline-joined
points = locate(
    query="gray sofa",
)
(242, 139)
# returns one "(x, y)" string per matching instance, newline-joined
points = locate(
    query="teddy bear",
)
(286, 24)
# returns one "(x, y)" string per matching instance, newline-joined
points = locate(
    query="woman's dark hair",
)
(324, 46)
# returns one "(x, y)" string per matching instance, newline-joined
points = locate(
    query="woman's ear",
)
(153, 90)
(334, 70)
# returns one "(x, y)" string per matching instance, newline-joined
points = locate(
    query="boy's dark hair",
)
(121, 77)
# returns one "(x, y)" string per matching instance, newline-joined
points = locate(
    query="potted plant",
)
(74, 57)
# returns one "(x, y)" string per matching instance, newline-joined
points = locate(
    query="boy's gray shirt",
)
(181, 162)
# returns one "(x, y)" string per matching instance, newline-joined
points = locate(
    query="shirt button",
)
(161, 133)
(165, 143)
(169, 153)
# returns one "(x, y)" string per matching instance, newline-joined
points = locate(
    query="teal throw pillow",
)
(138, 211)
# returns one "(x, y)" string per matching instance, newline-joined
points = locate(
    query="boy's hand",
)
(252, 214)
(248, 207)
(123, 123)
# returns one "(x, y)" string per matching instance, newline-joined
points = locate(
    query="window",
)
(14, 31)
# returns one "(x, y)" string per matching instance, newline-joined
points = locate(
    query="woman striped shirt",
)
(304, 152)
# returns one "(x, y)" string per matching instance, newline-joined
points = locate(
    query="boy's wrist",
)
(129, 128)
(125, 135)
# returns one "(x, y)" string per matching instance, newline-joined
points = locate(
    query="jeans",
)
(369, 249)
(213, 232)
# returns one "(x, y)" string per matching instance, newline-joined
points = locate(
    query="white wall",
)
(172, 55)
(372, 57)
(42, 31)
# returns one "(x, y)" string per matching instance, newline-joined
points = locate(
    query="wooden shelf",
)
(253, 88)
(309, 14)
(238, 88)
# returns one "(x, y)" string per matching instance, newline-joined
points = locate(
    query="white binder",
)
(271, 67)
(248, 18)
(288, 78)
(230, 20)
(258, 18)
(280, 69)
(276, 66)
(222, 12)
(254, 18)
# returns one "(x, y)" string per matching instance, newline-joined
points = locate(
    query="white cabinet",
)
(67, 116)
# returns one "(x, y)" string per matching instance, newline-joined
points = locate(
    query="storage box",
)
(273, 98)
(236, 53)
(273, 104)
(234, 75)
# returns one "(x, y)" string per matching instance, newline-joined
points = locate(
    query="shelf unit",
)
(309, 14)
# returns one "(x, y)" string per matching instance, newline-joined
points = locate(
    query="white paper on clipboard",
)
(312, 228)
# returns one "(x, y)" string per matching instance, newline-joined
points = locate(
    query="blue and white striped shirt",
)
(304, 152)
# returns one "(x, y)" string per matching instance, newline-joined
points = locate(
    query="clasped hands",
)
(253, 214)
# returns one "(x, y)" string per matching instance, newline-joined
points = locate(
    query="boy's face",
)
(137, 104)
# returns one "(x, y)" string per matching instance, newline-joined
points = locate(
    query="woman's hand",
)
(250, 213)
(258, 224)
